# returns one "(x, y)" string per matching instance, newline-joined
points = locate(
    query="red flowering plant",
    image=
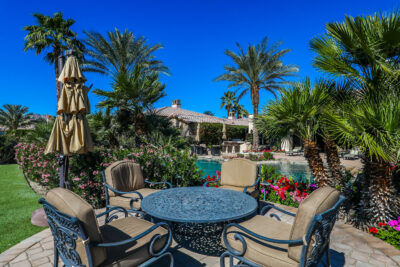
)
(388, 232)
(212, 181)
(280, 189)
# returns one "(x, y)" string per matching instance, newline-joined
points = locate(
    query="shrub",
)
(388, 232)
(268, 156)
(210, 133)
(6, 149)
(158, 164)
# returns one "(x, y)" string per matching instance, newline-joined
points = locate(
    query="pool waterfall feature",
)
(298, 170)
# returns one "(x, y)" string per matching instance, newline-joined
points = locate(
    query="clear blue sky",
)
(194, 34)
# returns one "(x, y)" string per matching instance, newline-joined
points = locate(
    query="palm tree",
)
(259, 68)
(228, 101)
(133, 93)
(14, 116)
(297, 112)
(53, 36)
(364, 51)
(240, 111)
(208, 112)
(120, 53)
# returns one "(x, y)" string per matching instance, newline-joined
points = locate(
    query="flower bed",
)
(158, 164)
(255, 157)
(388, 232)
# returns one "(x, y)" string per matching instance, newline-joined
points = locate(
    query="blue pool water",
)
(299, 171)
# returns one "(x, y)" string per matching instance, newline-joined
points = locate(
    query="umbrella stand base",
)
(39, 218)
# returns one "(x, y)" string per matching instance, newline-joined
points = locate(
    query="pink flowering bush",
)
(388, 232)
(84, 176)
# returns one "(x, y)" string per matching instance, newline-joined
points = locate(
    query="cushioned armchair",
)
(79, 240)
(124, 185)
(240, 175)
(266, 241)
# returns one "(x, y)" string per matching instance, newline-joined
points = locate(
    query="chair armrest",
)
(255, 183)
(141, 235)
(123, 193)
(162, 182)
(250, 234)
(121, 209)
(270, 206)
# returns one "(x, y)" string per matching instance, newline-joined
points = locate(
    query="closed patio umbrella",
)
(197, 138)
(71, 134)
(223, 131)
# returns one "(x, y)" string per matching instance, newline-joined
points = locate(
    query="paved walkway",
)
(349, 247)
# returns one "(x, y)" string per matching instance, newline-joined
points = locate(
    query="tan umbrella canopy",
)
(70, 134)
(223, 131)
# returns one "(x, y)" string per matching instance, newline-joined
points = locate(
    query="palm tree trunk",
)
(311, 152)
(333, 160)
(255, 100)
(383, 203)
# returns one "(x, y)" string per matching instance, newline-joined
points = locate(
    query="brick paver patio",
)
(349, 247)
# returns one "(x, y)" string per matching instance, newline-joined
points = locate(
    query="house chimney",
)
(176, 103)
(231, 115)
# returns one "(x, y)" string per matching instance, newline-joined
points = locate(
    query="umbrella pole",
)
(63, 162)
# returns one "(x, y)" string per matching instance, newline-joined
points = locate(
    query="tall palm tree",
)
(120, 52)
(51, 35)
(364, 51)
(297, 112)
(258, 68)
(228, 101)
(14, 116)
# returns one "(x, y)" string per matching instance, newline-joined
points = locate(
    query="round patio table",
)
(198, 214)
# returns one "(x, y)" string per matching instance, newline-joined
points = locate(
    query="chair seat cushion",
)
(124, 200)
(252, 190)
(271, 254)
(136, 252)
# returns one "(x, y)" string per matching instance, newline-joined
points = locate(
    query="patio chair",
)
(354, 154)
(79, 241)
(124, 185)
(240, 175)
(266, 241)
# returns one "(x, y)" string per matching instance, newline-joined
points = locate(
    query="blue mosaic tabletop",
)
(198, 205)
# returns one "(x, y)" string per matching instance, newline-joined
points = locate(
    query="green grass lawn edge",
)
(17, 202)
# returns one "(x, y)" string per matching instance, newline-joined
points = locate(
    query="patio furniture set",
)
(223, 221)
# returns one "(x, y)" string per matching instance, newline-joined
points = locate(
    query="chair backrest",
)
(73, 223)
(124, 176)
(317, 202)
(238, 172)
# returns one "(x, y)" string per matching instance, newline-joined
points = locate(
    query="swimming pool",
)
(298, 170)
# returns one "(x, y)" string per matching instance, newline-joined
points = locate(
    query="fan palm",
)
(365, 51)
(51, 35)
(120, 53)
(239, 111)
(14, 116)
(258, 68)
(228, 101)
(373, 124)
(132, 94)
(297, 112)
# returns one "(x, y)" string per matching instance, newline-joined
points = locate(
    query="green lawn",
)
(17, 202)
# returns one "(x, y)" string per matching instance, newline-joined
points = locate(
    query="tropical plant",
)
(120, 53)
(374, 126)
(240, 111)
(228, 101)
(14, 116)
(40, 133)
(103, 128)
(52, 35)
(258, 68)
(208, 112)
(133, 93)
(297, 112)
(364, 51)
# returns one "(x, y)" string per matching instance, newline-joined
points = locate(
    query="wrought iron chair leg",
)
(55, 256)
(222, 259)
(328, 258)
(106, 218)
